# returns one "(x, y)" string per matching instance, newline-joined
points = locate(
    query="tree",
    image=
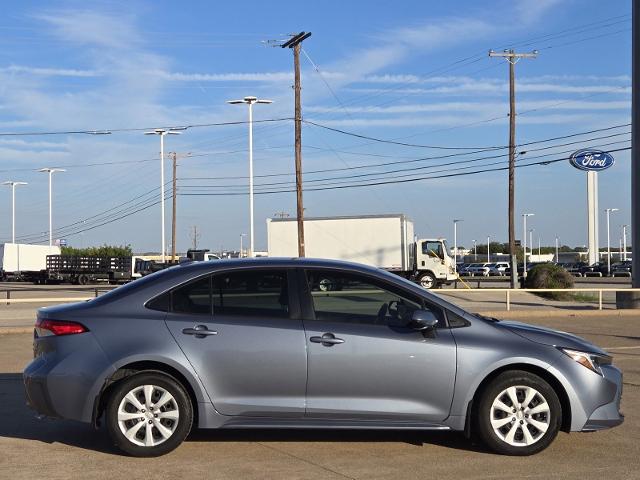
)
(103, 251)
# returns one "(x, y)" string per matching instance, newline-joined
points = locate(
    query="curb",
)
(14, 330)
(504, 314)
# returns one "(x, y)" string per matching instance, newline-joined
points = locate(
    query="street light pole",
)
(241, 235)
(531, 240)
(624, 242)
(524, 248)
(250, 101)
(51, 171)
(455, 245)
(488, 249)
(161, 132)
(13, 186)
(609, 210)
(475, 251)
(557, 254)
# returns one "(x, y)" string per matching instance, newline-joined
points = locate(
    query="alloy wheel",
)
(148, 415)
(520, 415)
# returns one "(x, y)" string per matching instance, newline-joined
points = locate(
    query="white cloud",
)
(484, 107)
(48, 72)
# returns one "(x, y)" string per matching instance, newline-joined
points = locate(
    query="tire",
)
(326, 284)
(174, 417)
(496, 426)
(427, 280)
(83, 280)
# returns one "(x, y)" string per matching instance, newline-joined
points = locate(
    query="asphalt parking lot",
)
(54, 449)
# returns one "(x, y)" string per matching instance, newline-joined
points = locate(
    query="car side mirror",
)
(423, 320)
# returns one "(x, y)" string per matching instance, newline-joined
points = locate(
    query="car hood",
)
(548, 336)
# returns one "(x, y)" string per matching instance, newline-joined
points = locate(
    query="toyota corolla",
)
(258, 344)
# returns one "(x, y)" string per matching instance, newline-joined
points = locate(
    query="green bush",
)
(549, 275)
(103, 251)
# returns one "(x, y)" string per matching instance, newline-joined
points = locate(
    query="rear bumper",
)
(65, 378)
(36, 392)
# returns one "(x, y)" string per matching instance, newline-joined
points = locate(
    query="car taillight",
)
(46, 328)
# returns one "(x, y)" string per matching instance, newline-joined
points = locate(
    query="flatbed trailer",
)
(81, 270)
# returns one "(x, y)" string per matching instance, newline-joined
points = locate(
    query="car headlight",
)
(592, 361)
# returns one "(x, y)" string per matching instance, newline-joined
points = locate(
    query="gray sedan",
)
(258, 343)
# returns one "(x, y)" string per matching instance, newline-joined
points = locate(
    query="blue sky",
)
(413, 71)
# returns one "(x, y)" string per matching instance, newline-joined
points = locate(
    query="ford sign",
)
(591, 160)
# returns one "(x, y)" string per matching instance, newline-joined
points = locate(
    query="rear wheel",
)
(427, 280)
(518, 414)
(148, 414)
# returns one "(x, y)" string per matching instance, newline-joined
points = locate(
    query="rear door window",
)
(194, 297)
(254, 293)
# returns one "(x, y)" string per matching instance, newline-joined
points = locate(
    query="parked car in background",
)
(574, 268)
(257, 343)
(594, 269)
(498, 268)
(623, 267)
(479, 269)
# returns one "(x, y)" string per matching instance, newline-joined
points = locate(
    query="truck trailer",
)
(19, 261)
(83, 270)
(383, 241)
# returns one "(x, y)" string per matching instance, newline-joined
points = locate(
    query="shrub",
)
(103, 251)
(549, 275)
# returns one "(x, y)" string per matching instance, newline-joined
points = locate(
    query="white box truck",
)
(383, 241)
(19, 261)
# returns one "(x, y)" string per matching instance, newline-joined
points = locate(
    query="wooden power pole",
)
(512, 57)
(295, 44)
(174, 158)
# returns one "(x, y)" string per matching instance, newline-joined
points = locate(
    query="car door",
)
(364, 362)
(241, 330)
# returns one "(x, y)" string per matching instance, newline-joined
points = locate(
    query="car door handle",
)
(328, 339)
(200, 331)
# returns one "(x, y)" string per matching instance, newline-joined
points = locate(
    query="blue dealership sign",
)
(589, 159)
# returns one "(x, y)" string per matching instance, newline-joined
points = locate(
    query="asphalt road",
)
(31, 448)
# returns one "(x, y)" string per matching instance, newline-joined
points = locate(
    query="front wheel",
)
(518, 414)
(427, 280)
(149, 414)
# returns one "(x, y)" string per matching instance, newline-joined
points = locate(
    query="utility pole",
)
(195, 236)
(174, 195)
(174, 159)
(295, 44)
(512, 57)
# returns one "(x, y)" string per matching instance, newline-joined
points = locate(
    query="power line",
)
(121, 130)
(389, 182)
(374, 139)
(421, 159)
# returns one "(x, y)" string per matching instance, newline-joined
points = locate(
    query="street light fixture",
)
(250, 101)
(609, 210)
(13, 207)
(524, 246)
(455, 245)
(51, 171)
(161, 132)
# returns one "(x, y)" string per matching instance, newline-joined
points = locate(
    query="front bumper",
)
(607, 415)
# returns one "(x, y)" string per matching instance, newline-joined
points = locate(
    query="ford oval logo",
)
(591, 160)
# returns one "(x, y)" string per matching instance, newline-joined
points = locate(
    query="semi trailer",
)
(383, 241)
(19, 261)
